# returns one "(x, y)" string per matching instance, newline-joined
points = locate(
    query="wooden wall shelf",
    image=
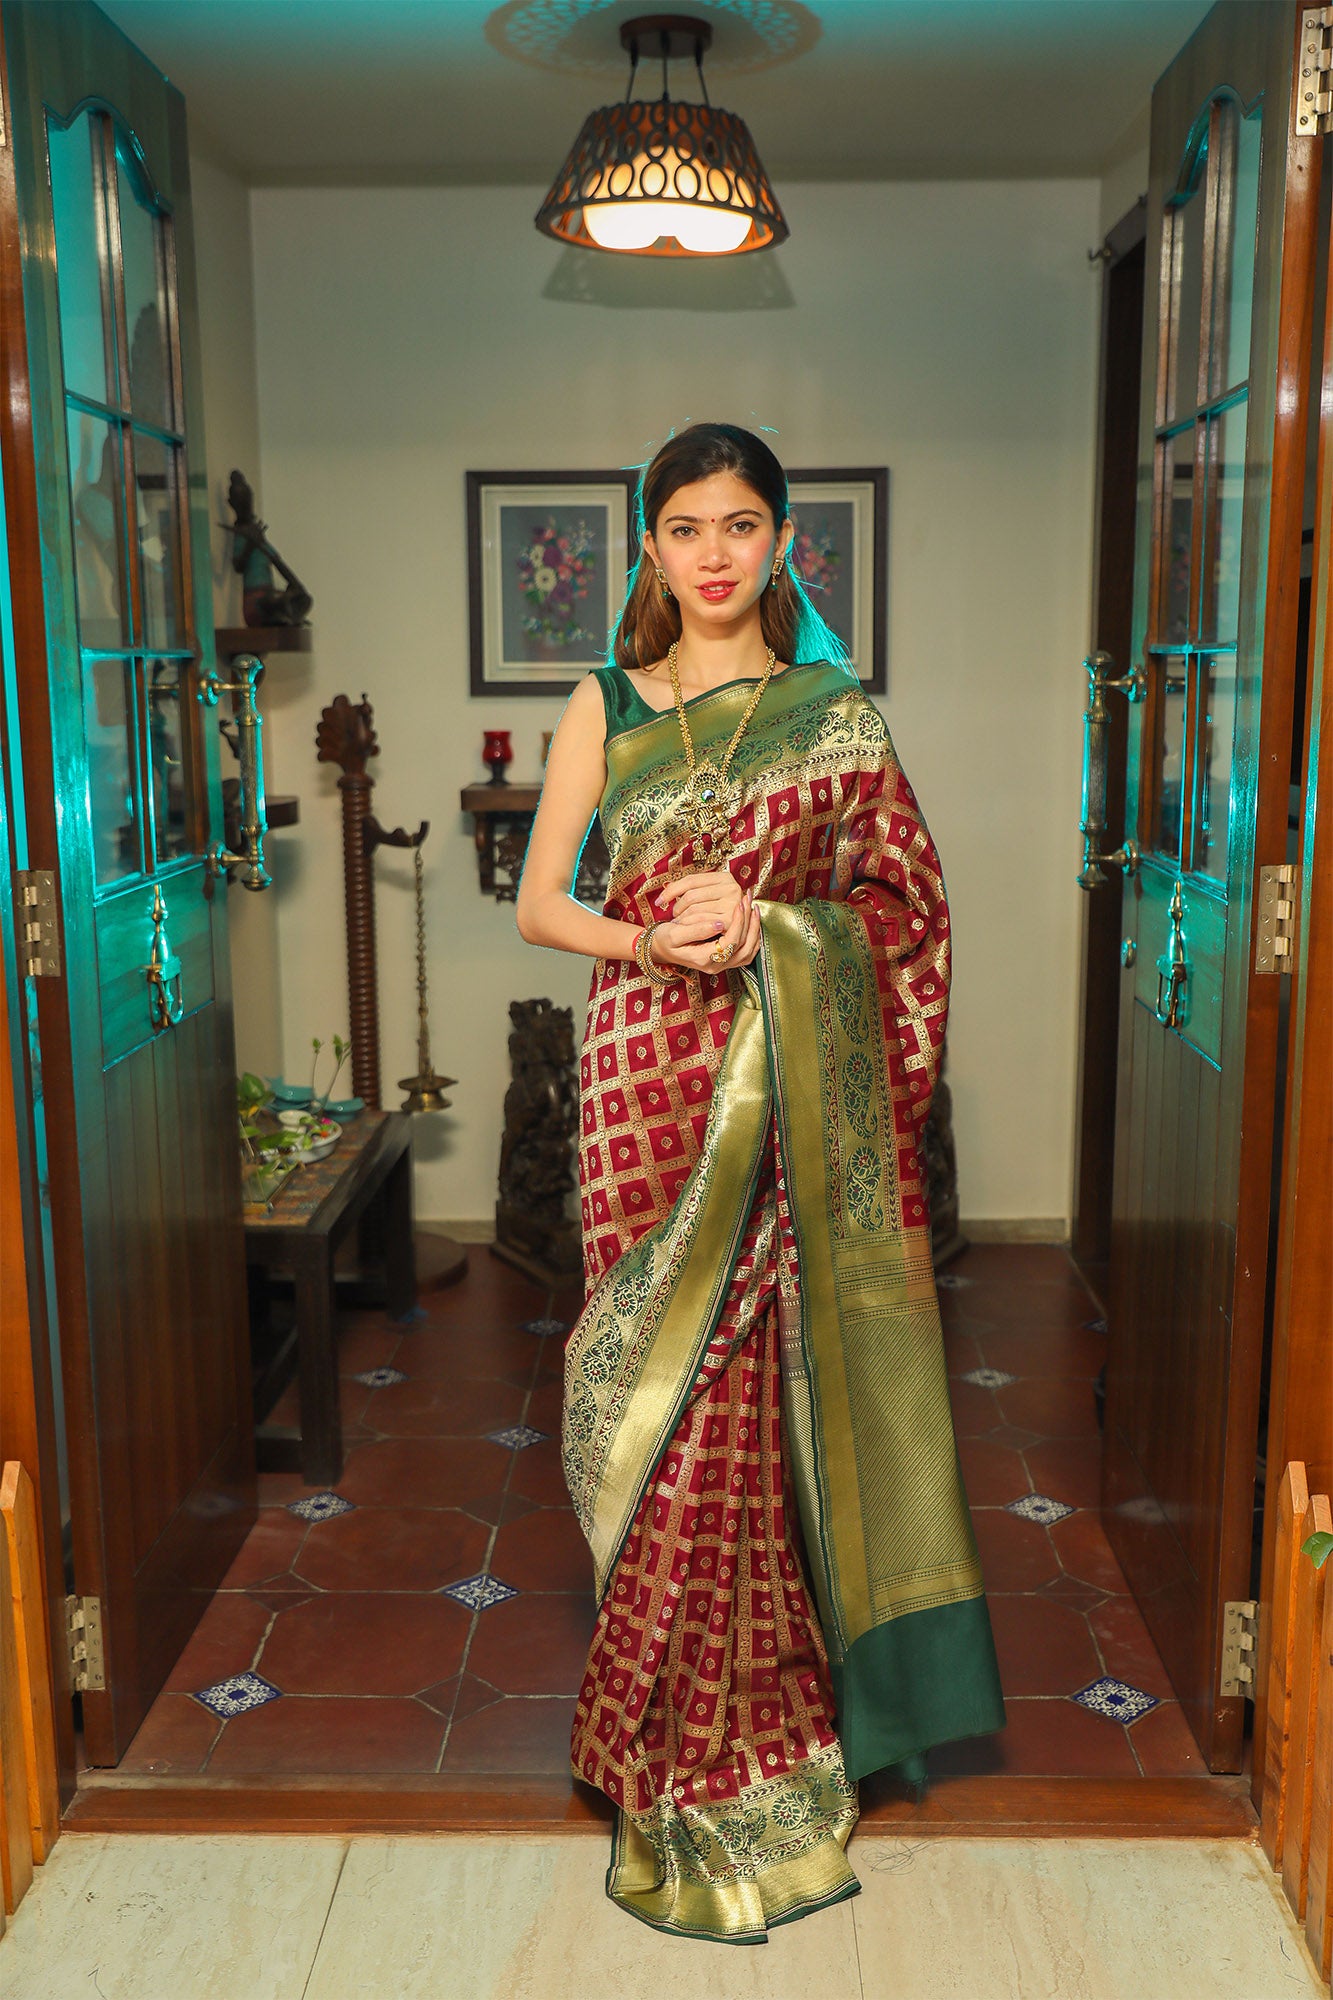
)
(502, 816)
(261, 640)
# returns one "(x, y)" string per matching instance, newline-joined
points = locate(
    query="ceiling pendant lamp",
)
(663, 179)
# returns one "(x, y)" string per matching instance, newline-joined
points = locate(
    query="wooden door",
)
(109, 538)
(1227, 355)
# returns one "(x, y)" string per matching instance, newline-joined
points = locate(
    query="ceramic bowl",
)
(344, 1109)
(294, 1094)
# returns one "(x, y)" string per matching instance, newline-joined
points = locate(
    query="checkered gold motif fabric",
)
(756, 1432)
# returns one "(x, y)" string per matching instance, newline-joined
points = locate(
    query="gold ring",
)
(722, 953)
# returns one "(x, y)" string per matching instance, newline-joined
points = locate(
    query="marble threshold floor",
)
(428, 1617)
(514, 1917)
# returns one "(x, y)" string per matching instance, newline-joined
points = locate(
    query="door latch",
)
(83, 1632)
(37, 924)
(1275, 927)
(1240, 1637)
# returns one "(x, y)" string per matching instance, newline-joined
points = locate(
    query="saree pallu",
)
(757, 1436)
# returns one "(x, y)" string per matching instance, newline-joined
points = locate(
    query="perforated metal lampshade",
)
(663, 179)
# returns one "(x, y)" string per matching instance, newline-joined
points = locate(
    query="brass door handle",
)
(250, 752)
(1096, 716)
(1173, 970)
(166, 1002)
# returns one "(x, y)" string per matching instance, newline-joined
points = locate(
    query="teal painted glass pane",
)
(1170, 758)
(108, 727)
(158, 530)
(1187, 234)
(1177, 596)
(1223, 506)
(97, 501)
(1217, 728)
(1232, 360)
(168, 755)
(85, 339)
(144, 268)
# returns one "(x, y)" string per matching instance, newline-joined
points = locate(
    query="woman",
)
(757, 1434)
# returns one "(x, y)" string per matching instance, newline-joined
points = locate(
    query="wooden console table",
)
(368, 1177)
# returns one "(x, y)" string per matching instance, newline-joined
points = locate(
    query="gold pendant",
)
(707, 801)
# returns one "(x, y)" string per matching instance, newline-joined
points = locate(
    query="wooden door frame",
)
(1121, 348)
(27, 1397)
(1300, 1405)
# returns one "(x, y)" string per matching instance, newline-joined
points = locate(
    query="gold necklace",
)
(709, 802)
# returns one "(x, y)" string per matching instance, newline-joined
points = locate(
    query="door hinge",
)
(83, 1630)
(1240, 1636)
(1275, 929)
(1312, 102)
(36, 922)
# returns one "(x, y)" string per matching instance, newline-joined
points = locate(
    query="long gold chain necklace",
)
(710, 801)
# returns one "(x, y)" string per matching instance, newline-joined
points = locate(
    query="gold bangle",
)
(659, 975)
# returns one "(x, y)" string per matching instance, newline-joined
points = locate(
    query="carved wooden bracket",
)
(503, 816)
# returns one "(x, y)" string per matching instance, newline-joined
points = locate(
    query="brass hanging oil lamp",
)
(425, 1090)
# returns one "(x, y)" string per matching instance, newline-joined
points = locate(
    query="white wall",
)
(224, 266)
(948, 331)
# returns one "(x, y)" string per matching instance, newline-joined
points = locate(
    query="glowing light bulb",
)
(708, 231)
(626, 225)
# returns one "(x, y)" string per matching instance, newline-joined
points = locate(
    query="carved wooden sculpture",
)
(532, 1228)
(346, 737)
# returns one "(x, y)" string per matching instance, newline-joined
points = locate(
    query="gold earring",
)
(662, 583)
(777, 568)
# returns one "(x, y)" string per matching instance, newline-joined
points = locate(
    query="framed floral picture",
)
(841, 554)
(548, 557)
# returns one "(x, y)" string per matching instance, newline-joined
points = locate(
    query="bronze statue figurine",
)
(254, 558)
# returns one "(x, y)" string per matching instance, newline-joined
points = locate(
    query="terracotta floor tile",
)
(443, 1406)
(365, 1643)
(277, 1488)
(266, 1553)
(1068, 1590)
(993, 1474)
(1016, 1263)
(368, 1342)
(1165, 1744)
(528, 1735)
(1085, 1553)
(544, 1551)
(1044, 1646)
(538, 1475)
(1063, 1352)
(1015, 1554)
(975, 1410)
(1127, 1647)
(1051, 1408)
(1046, 1738)
(546, 1407)
(1025, 1306)
(173, 1739)
(493, 1508)
(1066, 1469)
(962, 1352)
(475, 1352)
(423, 1472)
(534, 1644)
(224, 1642)
(312, 1734)
(1014, 1435)
(281, 1597)
(393, 1548)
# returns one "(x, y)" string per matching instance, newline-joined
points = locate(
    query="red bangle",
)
(634, 941)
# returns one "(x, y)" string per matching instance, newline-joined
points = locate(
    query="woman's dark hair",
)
(648, 621)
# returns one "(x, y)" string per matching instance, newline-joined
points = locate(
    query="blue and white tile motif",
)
(989, 1378)
(236, 1695)
(479, 1592)
(320, 1506)
(1039, 1507)
(380, 1378)
(952, 1281)
(518, 1437)
(544, 1326)
(1116, 1700)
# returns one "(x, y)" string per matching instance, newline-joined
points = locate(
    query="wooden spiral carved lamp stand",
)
(346, 737)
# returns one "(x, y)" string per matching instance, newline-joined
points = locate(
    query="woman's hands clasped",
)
(702, 914)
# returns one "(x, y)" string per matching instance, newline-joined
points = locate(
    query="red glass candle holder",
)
(496, 753)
